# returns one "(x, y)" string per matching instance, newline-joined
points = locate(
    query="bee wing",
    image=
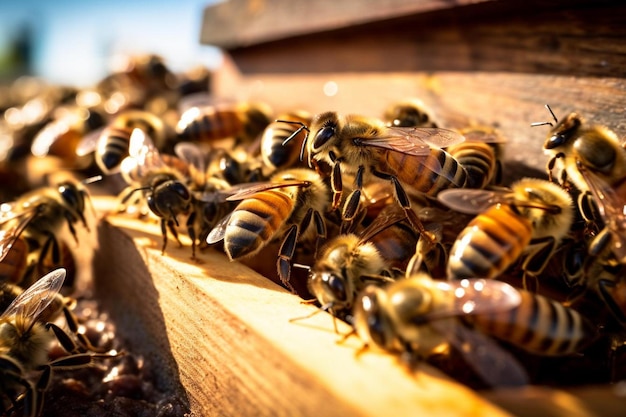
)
(388, 217)
(89, 142)
(217, 233)
(37, 297)
(47, 136)
(9, 235)
(485, 136)
(247, 190)
(413, 140)
(611, 204)
(475, 296)
(493, 364)
(142, 148)
(471, 201)
(192, 154)
(213, 196)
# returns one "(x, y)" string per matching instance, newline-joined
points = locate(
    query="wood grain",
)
(509, 101)
(239, 23)
(219, 336)
(583, 38)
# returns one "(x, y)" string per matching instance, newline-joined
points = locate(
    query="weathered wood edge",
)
(508, 101)
(581, 38)
(219, 336)
(237, 23)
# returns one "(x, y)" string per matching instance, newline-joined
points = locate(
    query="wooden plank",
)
(510, 101)
(237, 23)
(583, 38)
(219, 335)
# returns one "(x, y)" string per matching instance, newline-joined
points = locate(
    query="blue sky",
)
(76, 40)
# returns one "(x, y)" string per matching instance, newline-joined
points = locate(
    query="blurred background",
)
(76, 42)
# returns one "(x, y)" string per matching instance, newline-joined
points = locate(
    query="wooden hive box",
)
(220, 332)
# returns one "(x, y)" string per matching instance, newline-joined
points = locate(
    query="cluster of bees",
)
(401, 228)
(49, 325)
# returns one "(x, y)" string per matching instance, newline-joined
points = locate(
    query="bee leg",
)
(12, 372)
(191, 232)
(336, 182)
(66, 342)
(350, 209)
(403, 199)
(287, 249)
(72, 324)
(50, 246)
(605, 288)
(320, 229)
(70, 224)
(550, 167)
(535, 262)
(345, 336)
(600, 242)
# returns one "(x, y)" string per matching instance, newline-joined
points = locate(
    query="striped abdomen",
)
(274, 153)
(13, 266)
(489, 244)
(429, 175)
(112, 148)
(539, 325)
(256, 221)
(211, 124)
(478, 159)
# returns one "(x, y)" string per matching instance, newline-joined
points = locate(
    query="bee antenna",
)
(133, 191)
(294, 134)
(91, 180)
(546, 123)
(174, 217)
(301, 266)
(552, 113)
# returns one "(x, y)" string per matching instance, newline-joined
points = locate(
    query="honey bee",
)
(111, 143)
(25, 340)
(480, 155)
(31, 226)
(209, 189)
(532, 217)
(610, 200)
(429, 257)
(418, 317)
(538, 325)
(63, 134)
(244, 122)
(409, 113)
(283, 207)
(274, 153)
(411, 157)
(594, 147)
(164, 185)
(350, 261)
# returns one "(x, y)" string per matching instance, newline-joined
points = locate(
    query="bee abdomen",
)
(255, 222)
(211, 126)
(539, 325)
(112, 148)
(489, 244)
(478, 159)
(274, 152)
(431, 174)
(13, 265)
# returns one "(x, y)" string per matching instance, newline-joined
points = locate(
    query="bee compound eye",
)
(180, 189)
(322, 136)
(372, 320)
(334, 284)
(70, 194)
(555, 141)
